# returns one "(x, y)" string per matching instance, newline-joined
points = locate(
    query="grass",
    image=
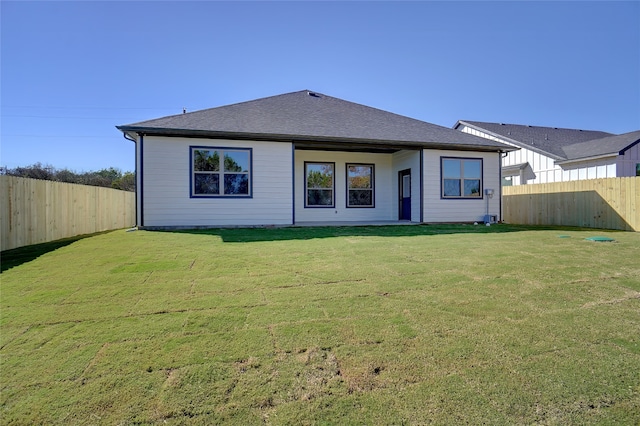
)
(15, 257)
(373, 325)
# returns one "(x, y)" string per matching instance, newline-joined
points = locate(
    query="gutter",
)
(595, 157)
(313, 142)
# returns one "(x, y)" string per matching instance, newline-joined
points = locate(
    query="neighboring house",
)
(550, 154)
(305, 157)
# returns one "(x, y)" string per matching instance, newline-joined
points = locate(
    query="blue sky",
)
(72, 71)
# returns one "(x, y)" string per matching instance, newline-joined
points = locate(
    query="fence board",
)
(612, 203)
(37, 211)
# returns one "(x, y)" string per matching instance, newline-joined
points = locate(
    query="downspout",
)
(141, 190)
(293, 184)
(127, 137)
(502, 155)
(421, 185)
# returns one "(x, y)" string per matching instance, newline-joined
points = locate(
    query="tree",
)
(205, 160)
(109, 178)
(35, 171)
(126, 183)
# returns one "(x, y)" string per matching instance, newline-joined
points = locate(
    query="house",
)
(551, 154)
(305, 157)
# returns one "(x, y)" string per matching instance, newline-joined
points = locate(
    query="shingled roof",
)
(314, 119)
(616, 144)
(549, 141)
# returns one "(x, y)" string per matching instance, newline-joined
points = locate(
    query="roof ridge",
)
(229, 105)
(306, 115)
(253, 100)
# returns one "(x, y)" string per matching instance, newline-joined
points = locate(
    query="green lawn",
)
(373, 325)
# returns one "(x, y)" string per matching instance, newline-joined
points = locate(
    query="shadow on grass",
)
(16, 257)
(242, 235)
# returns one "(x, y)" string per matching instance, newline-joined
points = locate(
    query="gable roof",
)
(549, 141)
(616, 144)
(312, 119)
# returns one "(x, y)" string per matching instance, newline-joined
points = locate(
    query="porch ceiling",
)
(349, 147)
(378, 146)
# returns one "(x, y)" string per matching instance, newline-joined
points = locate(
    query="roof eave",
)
(310, 140)
(589, 158)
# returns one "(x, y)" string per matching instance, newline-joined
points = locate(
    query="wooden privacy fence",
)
(37, 211)
(612, 203)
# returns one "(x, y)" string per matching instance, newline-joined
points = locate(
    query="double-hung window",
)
(319, 184)
(360, 190)
(220, 172)
(461, 177)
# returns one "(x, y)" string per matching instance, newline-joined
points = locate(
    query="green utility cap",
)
(600, 239)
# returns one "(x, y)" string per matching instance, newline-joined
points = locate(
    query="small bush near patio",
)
(375, 325)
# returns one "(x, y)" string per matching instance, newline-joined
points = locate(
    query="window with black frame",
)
(319, 184)
(220, 172)
(360, 185)
(461, 177)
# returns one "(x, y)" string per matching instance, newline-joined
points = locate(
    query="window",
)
(360, 192)
(461, 177)
(638, 169)
(220, 172)
(319, 184)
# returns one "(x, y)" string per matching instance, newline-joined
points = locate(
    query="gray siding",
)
(166, 192)
(437, 209)
(403, 160)
(383, 210)
(627, 163)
